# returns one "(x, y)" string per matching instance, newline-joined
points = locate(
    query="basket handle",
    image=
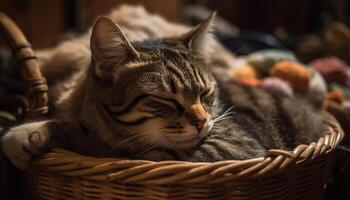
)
(36, 84)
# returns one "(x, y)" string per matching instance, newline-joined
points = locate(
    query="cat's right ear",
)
(109, 47)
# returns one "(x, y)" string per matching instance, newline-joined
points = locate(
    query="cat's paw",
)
(23, 143)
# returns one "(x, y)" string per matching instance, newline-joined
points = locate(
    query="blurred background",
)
(44, 21)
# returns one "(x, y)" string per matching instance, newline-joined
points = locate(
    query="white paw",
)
(22, 143)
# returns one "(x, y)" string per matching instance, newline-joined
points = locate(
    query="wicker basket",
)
(299, 174)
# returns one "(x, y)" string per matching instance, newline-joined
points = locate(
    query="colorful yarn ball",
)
(294, 73)
(245, 72)
(346, 90)
(317, 87)
(336, 95)
(277, 85)
(264, 60)
(332, 69)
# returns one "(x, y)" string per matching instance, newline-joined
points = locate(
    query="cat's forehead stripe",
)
(185, 68)
(175, 71)
(139, 64)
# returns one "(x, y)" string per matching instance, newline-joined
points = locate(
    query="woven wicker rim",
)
(71, 164)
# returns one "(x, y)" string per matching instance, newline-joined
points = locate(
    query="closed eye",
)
(118, 109)
(160, 101)
(158, 108)
(168, 101)
(156, 103)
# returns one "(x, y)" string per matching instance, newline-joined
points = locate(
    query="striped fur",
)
(169, 109)
(259, 120)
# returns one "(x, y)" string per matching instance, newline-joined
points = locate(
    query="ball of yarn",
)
(317, 87)
(332, 69)
(264, 60)
(346, 90)
(277, 85)
(336, 95)
(245, 72)
(252, 82)
(294, 73)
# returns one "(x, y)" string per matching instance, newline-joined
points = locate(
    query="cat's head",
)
(154, 93)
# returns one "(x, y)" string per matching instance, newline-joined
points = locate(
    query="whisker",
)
(147, 140)
(135, 137)
(225, 115)
(127, 140)
(155, 141)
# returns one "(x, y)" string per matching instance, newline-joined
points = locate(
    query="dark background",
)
(43, 21)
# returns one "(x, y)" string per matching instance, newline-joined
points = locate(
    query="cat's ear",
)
(109, 46)
(200, 38)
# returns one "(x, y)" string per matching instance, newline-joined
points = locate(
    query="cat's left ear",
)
(200, 38)
(109, 47)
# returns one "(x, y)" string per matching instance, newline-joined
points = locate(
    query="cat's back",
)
(288, 121)
(139, 25)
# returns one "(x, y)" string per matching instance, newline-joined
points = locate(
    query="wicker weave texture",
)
(304, 182)
(298, 174)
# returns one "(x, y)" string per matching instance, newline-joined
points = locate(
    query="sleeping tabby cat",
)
(153, 96)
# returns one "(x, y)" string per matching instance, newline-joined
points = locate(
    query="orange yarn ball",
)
(333, 98)
(336, 95)
(245, 72)
(252, 82)
(295, 74)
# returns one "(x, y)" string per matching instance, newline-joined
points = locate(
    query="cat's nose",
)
(197, 116)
